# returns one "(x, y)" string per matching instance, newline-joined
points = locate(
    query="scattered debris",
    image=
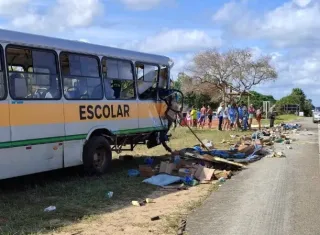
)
(50, 208)
(146, 171)
(109, 194)
(133, 173)
(155, 218)
(182, 227)
(162, 180)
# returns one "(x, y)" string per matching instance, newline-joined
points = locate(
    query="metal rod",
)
(181, 117)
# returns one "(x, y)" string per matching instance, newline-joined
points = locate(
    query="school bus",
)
(65, 103)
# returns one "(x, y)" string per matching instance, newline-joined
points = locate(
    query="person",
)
(233, 116)
(193, 114)
(251, 112)
(189, 119)
(259, 117)
(226, 121)
(198, 117)
(240, 112)
(220, 115)
(209, 113)
(202, 119)
(245, 117)
(272, 118)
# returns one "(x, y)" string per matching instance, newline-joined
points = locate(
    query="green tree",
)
(297, 97)
(257, 99)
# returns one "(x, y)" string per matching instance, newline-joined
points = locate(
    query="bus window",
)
(33, 73)
(164, 77)
(118, 79)
(81, 77)
(2, 81)
(147, 77)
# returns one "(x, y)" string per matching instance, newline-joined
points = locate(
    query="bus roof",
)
(32, 40)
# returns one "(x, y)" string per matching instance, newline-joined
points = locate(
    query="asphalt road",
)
(274, 196)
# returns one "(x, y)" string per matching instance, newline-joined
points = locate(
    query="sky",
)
(288, 31)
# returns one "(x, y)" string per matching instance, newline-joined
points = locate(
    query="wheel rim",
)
(99, 158)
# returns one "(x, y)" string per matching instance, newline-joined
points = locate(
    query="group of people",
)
(231, 117)
(236, 116)
(198, 118)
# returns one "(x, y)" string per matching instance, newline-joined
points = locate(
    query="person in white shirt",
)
(220, 112)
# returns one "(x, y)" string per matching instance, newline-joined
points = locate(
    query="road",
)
(274, 196)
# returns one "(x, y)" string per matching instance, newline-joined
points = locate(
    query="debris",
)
(133, 173)
(280, 154)
(203, 173)
(183, 172)
(109, 194)
(155, 218)
(166, 167)
(222, 180)
(177, 160)
(162, 180)
(182, 227)
(50, 208)
(190, 181)
(289, 147)
(148, 161)
(225, 174)
(126, 158)
(175, 187)
(136, 203)
(207, 144)
(149, 200)
(146, 171)
(210, 158)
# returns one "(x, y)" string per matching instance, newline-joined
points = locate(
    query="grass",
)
(78, 197)
(282, 118)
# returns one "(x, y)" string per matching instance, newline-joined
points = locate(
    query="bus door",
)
(36, 110)
(151, 109)
(4, 123)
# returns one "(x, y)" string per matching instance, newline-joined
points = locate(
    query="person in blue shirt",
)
(232, 115)
(240, 113)
(245, 117)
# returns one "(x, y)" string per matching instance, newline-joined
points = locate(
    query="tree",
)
(297, 97)
(257, 99)
(214, 71)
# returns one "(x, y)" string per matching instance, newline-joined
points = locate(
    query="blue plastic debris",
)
(133, 173)
(148, 161)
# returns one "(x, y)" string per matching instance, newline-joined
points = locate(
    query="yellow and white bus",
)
(65, 103)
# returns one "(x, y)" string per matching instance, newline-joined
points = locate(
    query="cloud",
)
(291, 24)
(9, 8)
(176, 40)
(61, 16)
(142, 4)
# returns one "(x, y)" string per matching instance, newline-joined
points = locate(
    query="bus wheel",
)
(97, 155)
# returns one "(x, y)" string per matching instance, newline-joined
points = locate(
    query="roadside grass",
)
(78, 197)
(282, 118)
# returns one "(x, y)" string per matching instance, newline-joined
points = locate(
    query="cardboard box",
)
(225, 174)
(146, 171)
(166, 167)
(203, 174)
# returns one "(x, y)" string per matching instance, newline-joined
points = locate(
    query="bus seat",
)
(72, 93)
(97, 92)
(19, 88)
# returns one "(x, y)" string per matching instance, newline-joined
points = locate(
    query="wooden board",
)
(207, 157)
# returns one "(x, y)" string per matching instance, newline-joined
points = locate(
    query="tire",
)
(97, 155)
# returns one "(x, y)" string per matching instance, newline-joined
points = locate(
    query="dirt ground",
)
(170, 206)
